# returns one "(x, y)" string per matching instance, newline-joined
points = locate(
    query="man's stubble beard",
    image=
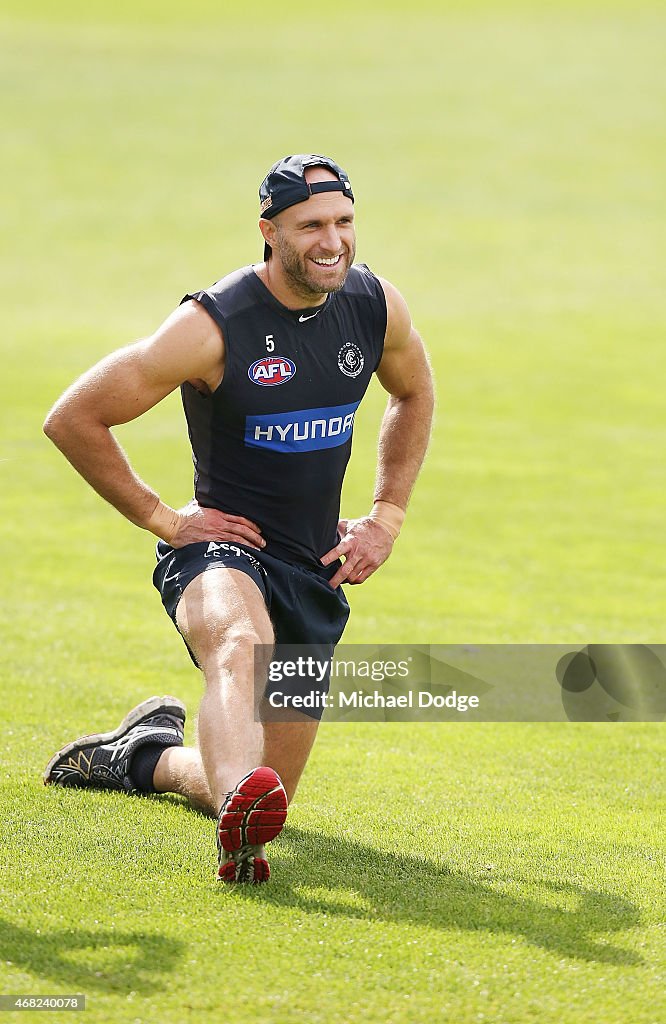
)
(295, 268)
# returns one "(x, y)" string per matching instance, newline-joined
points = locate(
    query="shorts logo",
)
(350, 359)
(221, 551)
(272, 370)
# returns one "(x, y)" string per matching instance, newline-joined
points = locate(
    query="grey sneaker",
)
(101, 761)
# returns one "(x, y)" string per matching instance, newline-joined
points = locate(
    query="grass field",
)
(508, 163)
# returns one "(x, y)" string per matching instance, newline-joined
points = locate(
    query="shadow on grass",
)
(103, 960)
(337, 875)
(327, 875)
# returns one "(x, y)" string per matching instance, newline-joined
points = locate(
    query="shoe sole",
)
(255, 813)
(254, 871)
(169, 705)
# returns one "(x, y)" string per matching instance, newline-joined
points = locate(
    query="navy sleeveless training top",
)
(273, 441)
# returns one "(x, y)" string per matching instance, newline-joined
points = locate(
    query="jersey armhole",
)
(383, 324)
(209, 304)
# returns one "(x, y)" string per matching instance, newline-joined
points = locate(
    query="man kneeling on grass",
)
(272, 362)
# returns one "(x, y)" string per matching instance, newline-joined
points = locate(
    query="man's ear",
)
(268, 230)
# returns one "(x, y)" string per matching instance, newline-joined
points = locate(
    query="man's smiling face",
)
(315, 241)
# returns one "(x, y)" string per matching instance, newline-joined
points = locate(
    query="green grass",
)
(508, 163)
(441, 872)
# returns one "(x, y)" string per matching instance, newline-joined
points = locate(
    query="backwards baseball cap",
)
(285, 185)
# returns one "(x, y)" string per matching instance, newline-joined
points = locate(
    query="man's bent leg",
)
(223, 617)
(222, 613)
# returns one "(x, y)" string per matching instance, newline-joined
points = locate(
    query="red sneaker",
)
(252, 814)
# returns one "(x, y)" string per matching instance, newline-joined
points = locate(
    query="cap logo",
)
(267, 203)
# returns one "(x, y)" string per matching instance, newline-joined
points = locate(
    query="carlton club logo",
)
(272, 370)
(350, 359)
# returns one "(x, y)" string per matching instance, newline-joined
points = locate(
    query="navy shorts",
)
(301, 604)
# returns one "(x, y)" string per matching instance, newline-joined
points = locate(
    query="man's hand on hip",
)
(204, 524)
(365, 545)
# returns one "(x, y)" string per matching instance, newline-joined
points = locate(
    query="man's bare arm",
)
(405, 373)
(188, 346)
(405, 431)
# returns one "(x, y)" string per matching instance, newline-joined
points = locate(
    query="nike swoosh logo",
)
(302, 319)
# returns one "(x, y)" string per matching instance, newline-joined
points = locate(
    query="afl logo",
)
(272, 370)
(350, 359)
